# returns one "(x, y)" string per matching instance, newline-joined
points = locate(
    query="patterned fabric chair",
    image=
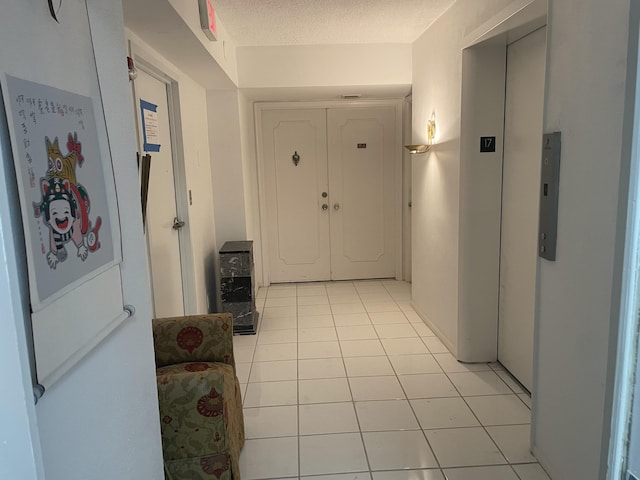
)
(199, 397)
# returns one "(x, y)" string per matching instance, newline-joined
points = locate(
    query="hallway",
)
(344, 379)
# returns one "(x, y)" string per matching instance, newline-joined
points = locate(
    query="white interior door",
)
(163, 240)
(362, 178)
(298, 226)
(520, 203)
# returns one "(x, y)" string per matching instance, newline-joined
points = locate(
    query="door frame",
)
(154, 66)
(259, 107)
(482, 113)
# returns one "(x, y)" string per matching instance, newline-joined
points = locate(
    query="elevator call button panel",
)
(549, 186)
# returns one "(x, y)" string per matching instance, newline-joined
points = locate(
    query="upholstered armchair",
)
(199, 396)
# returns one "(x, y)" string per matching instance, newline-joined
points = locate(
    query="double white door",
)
(330, 177)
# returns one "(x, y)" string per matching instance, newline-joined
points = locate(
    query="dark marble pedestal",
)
(237, 284)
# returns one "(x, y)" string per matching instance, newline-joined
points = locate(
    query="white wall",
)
(195, 147)
(437, 67)
(226, 165)
(586, 74)
(250, 177)
(324, 65)
(576, 302)
(20, 455)
(100, 420)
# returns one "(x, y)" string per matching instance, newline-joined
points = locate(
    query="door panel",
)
(362, 154)
(163, 240)
(298, 226)
(520, 203)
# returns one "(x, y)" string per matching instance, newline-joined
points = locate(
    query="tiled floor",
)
(345, 382)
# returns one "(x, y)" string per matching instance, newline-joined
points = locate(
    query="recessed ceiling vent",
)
(351, 96)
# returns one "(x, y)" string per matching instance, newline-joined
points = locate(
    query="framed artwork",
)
(65, 184)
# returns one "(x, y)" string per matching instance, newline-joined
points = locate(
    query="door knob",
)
(325, 206)
(177, 224)
(336, 206)
(325, 194)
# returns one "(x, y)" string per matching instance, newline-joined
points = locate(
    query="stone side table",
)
(237, 284)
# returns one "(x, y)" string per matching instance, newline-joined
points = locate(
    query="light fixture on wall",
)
(431, 135)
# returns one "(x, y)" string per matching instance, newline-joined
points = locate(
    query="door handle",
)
(325, 206)
(336, 206)
(177, 224)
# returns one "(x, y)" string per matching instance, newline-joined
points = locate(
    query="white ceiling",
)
(312, 22)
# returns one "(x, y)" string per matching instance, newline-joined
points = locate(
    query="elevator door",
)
(520, 204)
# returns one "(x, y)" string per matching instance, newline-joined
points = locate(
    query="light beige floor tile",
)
(278, 312)
(375, 388)
(481, 473)
(321, 368)
(360, 332)
(318, 350)
(443, 413)
(269, 394)
(428, 385)
(315, 321)
(242, 372)
(435, 345)
(386, 415)
(266, 337)
(532, 471)
(361, 348)
(274, 371)
(314, 310)
(423, 330)
(325, 390)
(431, 474)
(382, 307)
(311, 291)
(341, 476)
(328, 418)
(414, 364)
(313, 300)
(351, 319)
(464, 447)
(277, 291)
(450, 364)
(478, 383)
(394, 450)
(278, 323)
(280, 302)
(276, 351)
(368, 366)
(336, 453)
(385, 318)
(324, 334)
(265, 422)
(514, 441)
(243, 354)
(340, 308)
(499, 410)
(404, 330)
(404, 346)
(269, 458)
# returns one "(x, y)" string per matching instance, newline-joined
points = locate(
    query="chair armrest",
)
(194, 338)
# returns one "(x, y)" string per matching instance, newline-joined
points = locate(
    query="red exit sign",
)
(208, 19)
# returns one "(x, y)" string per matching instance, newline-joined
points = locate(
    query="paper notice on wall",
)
(150, 126)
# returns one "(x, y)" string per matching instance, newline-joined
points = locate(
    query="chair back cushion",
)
(194, 338)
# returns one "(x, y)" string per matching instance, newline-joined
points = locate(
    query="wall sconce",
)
(431, 135)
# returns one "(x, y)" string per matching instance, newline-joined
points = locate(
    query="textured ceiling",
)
(312, 22)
